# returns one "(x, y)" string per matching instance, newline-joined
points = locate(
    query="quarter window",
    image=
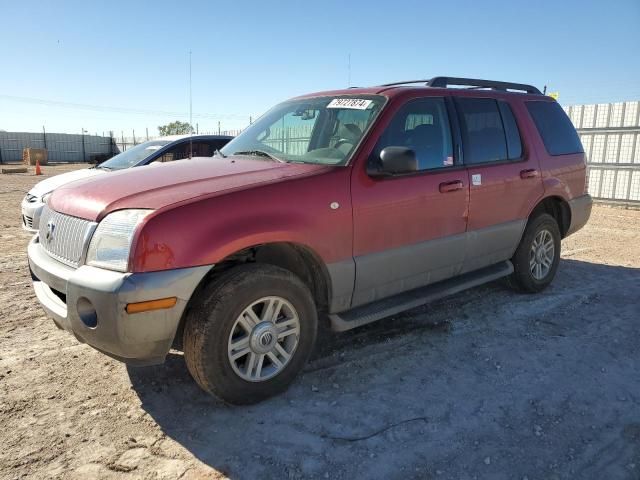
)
(556, 130)
(423, 126)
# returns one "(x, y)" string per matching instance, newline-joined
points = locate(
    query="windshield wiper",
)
(260, 153)
(102, 167)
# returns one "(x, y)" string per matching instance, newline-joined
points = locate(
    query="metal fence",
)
(61, 147)
(610, 135)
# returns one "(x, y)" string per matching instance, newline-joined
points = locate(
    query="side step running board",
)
(415, 298)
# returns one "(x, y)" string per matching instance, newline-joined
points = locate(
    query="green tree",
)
(175, 128)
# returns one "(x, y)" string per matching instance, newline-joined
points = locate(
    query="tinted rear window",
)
(556, 130)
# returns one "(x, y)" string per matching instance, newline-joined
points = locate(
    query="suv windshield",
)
(134, 155)
(322, 130)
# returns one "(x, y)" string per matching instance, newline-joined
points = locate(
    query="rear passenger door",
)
(505, 180)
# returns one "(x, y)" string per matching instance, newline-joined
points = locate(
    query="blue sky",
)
(124, 65)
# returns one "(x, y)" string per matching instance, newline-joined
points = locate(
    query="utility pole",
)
(190, 111)
(44, 137)
(84, 156)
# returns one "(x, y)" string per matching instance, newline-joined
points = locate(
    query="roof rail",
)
(404, 83)
(445, 82)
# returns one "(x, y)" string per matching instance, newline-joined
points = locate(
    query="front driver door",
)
(409, 230)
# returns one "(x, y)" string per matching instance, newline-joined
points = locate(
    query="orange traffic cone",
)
(38, 169)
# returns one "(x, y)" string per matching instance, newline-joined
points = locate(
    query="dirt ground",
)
(486, 384)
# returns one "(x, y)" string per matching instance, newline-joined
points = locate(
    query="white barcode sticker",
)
(354, 103)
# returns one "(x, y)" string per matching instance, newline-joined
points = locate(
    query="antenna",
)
(190, 112)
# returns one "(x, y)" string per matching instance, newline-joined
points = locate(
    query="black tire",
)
(212, 315)
(522, 278)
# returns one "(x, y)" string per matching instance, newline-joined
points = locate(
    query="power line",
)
(102, 108)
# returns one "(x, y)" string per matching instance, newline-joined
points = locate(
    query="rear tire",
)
(249, 333)
(537, 257)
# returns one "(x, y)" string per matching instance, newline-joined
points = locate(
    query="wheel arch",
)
(558, 208)
(299, 259)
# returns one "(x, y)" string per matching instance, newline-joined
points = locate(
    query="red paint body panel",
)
(395, 212)
(160, 185)
(205, 231)
(207, 210)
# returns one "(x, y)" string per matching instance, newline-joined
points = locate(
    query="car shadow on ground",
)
(452, 381)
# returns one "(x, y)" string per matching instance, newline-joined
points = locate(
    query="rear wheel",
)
(536, 259)
(249, 333)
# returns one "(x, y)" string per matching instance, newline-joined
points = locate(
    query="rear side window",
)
(556, 130)
(511, 132)
(489, 131)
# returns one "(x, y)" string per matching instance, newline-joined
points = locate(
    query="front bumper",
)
(580, 212)
(90, 303)
(31, 215)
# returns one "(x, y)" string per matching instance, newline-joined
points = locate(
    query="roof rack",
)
(405, 83)
(446, 82)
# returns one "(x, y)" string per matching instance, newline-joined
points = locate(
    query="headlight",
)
(111, 242)
(45, 197)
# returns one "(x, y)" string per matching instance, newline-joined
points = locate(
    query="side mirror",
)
(394, 161)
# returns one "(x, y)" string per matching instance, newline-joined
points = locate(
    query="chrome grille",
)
(28, 221)
(64, 237)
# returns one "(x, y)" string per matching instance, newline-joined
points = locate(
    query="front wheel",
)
(249, 333)
(536, 259)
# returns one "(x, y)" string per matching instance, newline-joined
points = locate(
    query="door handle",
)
(451, 186)
(530, 173)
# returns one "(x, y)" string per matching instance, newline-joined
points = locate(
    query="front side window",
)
(423, 126)
(321, 130)
(178, 152)
(201, 148)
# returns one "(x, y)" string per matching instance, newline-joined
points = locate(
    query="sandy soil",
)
(487, 384)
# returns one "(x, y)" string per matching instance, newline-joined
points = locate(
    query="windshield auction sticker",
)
(353, 103)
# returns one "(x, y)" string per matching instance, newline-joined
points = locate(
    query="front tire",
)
(249, 333)
(537, 257)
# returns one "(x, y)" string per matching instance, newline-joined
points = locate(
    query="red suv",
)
(356, 203)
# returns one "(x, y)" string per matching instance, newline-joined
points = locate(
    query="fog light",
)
(87, 312)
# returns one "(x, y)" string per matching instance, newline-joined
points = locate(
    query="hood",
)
(162, 184)
(50, 184)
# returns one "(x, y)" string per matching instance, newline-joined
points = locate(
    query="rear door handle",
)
(530, 173)
(451, 186)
